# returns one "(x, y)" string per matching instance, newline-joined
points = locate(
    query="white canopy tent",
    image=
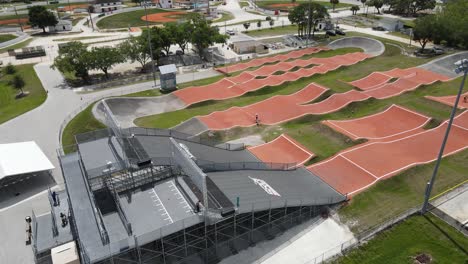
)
(22, 158)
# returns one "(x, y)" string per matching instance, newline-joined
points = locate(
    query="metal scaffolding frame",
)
(202, 243)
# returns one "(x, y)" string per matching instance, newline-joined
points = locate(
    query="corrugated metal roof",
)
(170, 68)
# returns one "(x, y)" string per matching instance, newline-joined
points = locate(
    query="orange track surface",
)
(408, 79)
(283, 149)
(72, 7)
(281, 109)
(226, 88)
(163, 17)
(394, 121)
(450, 100)
(13, 21)
(352, 171)
(270, 111)
(282, 57)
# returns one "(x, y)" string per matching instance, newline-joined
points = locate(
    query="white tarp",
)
(22, 157)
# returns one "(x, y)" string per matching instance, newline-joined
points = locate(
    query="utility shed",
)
(168, 77)
(241, 44)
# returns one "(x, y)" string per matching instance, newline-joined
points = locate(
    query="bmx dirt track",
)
(354, 170)
(291, 151)
(394, 121)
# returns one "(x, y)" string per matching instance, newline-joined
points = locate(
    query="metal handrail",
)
(96, 212)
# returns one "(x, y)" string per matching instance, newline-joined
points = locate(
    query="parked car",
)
(340, 32)
(179, 52)
(162, 54)
(438, 50)
(171, 53)
(379, 28)
(330, 32)
(53, 2)
(230, 32)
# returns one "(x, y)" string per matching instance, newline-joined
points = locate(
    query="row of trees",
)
(76, 57)
(449, 25)
(408, 7)
(306, 16)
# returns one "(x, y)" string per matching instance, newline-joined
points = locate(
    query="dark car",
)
(340, 32)
(330, 32)
(179, 52)
(379, 28)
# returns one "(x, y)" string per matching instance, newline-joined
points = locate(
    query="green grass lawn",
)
(81, 123)
(243, 4)
(127, 19)
(11, 107)
(225, 16)
(17, 46)
(10, 17)
(266, 4)
(6, 37)
(283, 30)
(414, 236)
(399, 34)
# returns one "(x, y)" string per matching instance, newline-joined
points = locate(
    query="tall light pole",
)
(19, 20)
(462, 66)
(153, 69)
(89, 13)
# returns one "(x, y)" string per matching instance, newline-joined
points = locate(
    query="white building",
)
(163, 3)
(103, 6)
(62, 25)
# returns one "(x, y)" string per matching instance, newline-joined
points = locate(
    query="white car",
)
(230, 32)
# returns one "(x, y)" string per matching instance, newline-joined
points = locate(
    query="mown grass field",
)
(270, 4)
(6, 37)
(128, 19)
(403, 242)
(81, 123)
(10, 107)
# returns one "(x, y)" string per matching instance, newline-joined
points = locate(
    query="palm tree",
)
(334, 3)
(354, 9)
(18, 83)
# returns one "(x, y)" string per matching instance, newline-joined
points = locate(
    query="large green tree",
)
(40, 17)
(181, 33)
(104, 58)
(136, 49)
(377, 4)
(204, 35)
(74, 58)
(307, 16)
(355, 9)
(334, 3)
(424, 30)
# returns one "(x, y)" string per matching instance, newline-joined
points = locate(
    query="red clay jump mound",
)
(394, 121)
(274, 110)
(226, 88)
(164, 17)
(450, 100)
(283, 149)
(352, 171)
(378, 86)
(258, 62)
(14, 21)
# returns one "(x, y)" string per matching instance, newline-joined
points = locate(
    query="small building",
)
(168, 77)
(163, 3)
(242, 44)
(103, 6)
(62, 25)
